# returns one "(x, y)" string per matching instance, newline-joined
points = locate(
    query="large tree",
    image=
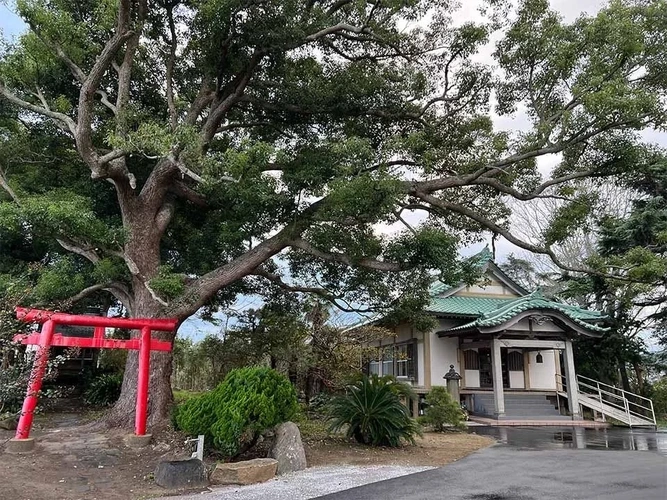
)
(177, 153)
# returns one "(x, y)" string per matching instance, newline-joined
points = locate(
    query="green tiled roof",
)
(480, 259)
(466, 306)
(437, 287)
(510, 308)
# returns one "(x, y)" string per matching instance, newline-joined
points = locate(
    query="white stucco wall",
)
(516, 380)
(472, 378)
(542, 375)
(443, 354)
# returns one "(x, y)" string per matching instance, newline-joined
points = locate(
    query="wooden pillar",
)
(460, 357)
(526, 369)
(559, 375)
(497, 370)
(572, 384)
(427, 359)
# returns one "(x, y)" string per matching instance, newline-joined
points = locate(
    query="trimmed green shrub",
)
(441, 410)
(371, 411)
(233, 415)
(104, 390)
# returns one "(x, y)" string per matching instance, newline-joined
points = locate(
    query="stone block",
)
(9, 422)
(246, 472)
(134, 441)
(20, 445)
(180, 474)
(288, 449)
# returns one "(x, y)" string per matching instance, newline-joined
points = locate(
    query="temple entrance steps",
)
(518, 406)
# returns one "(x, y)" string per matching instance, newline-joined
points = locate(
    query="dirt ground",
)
(434, 449)
(72, 461)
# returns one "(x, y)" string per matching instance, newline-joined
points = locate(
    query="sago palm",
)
(372, 412)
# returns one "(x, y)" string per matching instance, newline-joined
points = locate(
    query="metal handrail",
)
(613, 387)
(620, 400)
(626, 401)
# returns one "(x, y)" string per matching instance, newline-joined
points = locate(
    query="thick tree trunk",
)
(160, 398)
(142, 253)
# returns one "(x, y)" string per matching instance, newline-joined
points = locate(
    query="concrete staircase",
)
(524, 406)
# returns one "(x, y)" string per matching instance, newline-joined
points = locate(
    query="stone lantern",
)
(452, 379)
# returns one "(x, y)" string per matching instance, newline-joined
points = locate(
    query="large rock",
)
(288, 449)
(178, 474)
(247, 472)
(8, 422)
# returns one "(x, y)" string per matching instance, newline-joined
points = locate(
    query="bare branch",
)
(171, 61)
(155, 296)
(105, 100)
(5, 185)
(222, 105)
(59, 117)
(85, 293)
(87, 251)
(164, 215)
(90, 86)
(179, 188)
(496, 184)
(398, 216)
(505, 233)
(76, 71)
(189, 173)
(111, 156)
(320, 291)
(204, 98)
(335, 29)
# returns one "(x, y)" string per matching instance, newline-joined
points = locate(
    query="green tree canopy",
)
(169, 153)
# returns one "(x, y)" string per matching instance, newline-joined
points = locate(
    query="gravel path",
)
(310, 483)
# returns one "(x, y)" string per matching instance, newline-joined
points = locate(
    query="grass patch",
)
(314, 429)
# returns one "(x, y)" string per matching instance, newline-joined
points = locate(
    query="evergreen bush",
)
(248, 402)
(371, 411)
(441, 410)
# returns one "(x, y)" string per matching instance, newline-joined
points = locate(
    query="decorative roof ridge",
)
(537, 300)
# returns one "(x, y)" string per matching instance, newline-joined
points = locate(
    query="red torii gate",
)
(47, 338)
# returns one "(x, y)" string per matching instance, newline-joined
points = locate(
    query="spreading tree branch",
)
(377, 265)
(5, 185)
(115, 288)
(320, 291)
(86, 251)
(40, 110)
(171, 62)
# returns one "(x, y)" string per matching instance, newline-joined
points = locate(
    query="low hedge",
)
(248, 402)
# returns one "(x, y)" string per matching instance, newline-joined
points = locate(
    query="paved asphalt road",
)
(509, 473)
